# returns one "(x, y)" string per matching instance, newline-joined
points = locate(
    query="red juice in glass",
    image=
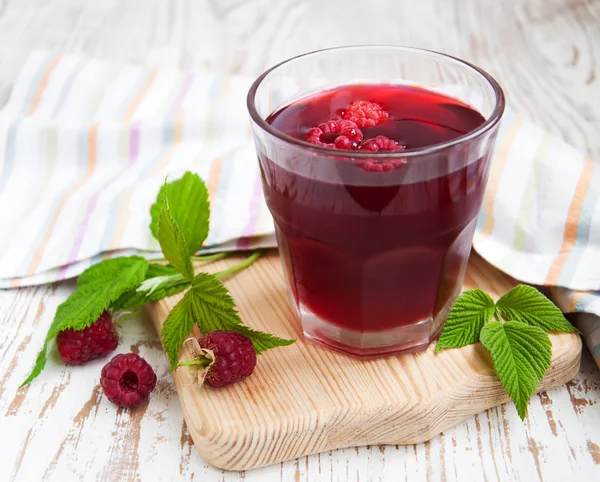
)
(375, 200)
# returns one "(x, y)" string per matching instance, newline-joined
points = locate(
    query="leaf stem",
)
(203, 362)
(125, 315)
(497, 314)
(240, 266)
(150, 285)
(209, 257)
(180, 282)
(199, 259)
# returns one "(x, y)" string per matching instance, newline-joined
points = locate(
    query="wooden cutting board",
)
(305, 399)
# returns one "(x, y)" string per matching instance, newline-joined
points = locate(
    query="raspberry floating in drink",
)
(348, 135)
(365, 114)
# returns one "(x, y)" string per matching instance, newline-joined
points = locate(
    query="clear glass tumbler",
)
(374, 258)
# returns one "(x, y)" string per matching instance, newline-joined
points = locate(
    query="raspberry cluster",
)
(346, 134)
(365, 114)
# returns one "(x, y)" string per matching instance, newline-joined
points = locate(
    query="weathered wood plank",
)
(545, 53)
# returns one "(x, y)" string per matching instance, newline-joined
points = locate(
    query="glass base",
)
(365, 344)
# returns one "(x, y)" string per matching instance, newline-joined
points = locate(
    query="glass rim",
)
(489, 123)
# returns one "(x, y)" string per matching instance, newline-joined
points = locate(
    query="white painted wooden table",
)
(546, 54)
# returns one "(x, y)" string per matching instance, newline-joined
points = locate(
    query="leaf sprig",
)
(207, 303)
(180, 221)
(514, 330)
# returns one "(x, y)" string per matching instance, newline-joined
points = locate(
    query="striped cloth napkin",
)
(85, 145)
(540, 221)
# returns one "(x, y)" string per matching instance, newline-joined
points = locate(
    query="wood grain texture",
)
(546, 55)
(306, 399)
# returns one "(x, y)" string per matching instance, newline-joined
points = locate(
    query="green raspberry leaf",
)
(134, 299)
(155, 270)
(209, 305)
(521, 354)
(177, 328)
(97, 287)
(173, 243)
(214, 309)
(40, 363)
(470, 312)
(190, 208)
(212, 304)
(526, 304)
(262, 341)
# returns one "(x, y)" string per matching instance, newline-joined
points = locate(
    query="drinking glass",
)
(374, 260)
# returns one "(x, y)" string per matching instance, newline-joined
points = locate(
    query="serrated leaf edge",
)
(521, 405)
(444, 343)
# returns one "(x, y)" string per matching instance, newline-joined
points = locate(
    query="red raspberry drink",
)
(375, 193)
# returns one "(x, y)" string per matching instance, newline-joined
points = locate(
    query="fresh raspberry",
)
(342, 142)
(77, 347)
(314, 136)
(127, 380)
(329, 126)
(383, 165)
(365, 114)
(369, 145)
(314, 132)
(346, 129)
(350, 130)
(234, 357)
(382, 143)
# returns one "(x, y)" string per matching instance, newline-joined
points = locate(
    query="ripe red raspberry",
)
(346, 129)
(127, 380)
(314, 136)
(342, 142)
(234, 357)
(382, 143)
(365, 114)
(350, 130)
(77, 347)
(329, 126)
(383, 165)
